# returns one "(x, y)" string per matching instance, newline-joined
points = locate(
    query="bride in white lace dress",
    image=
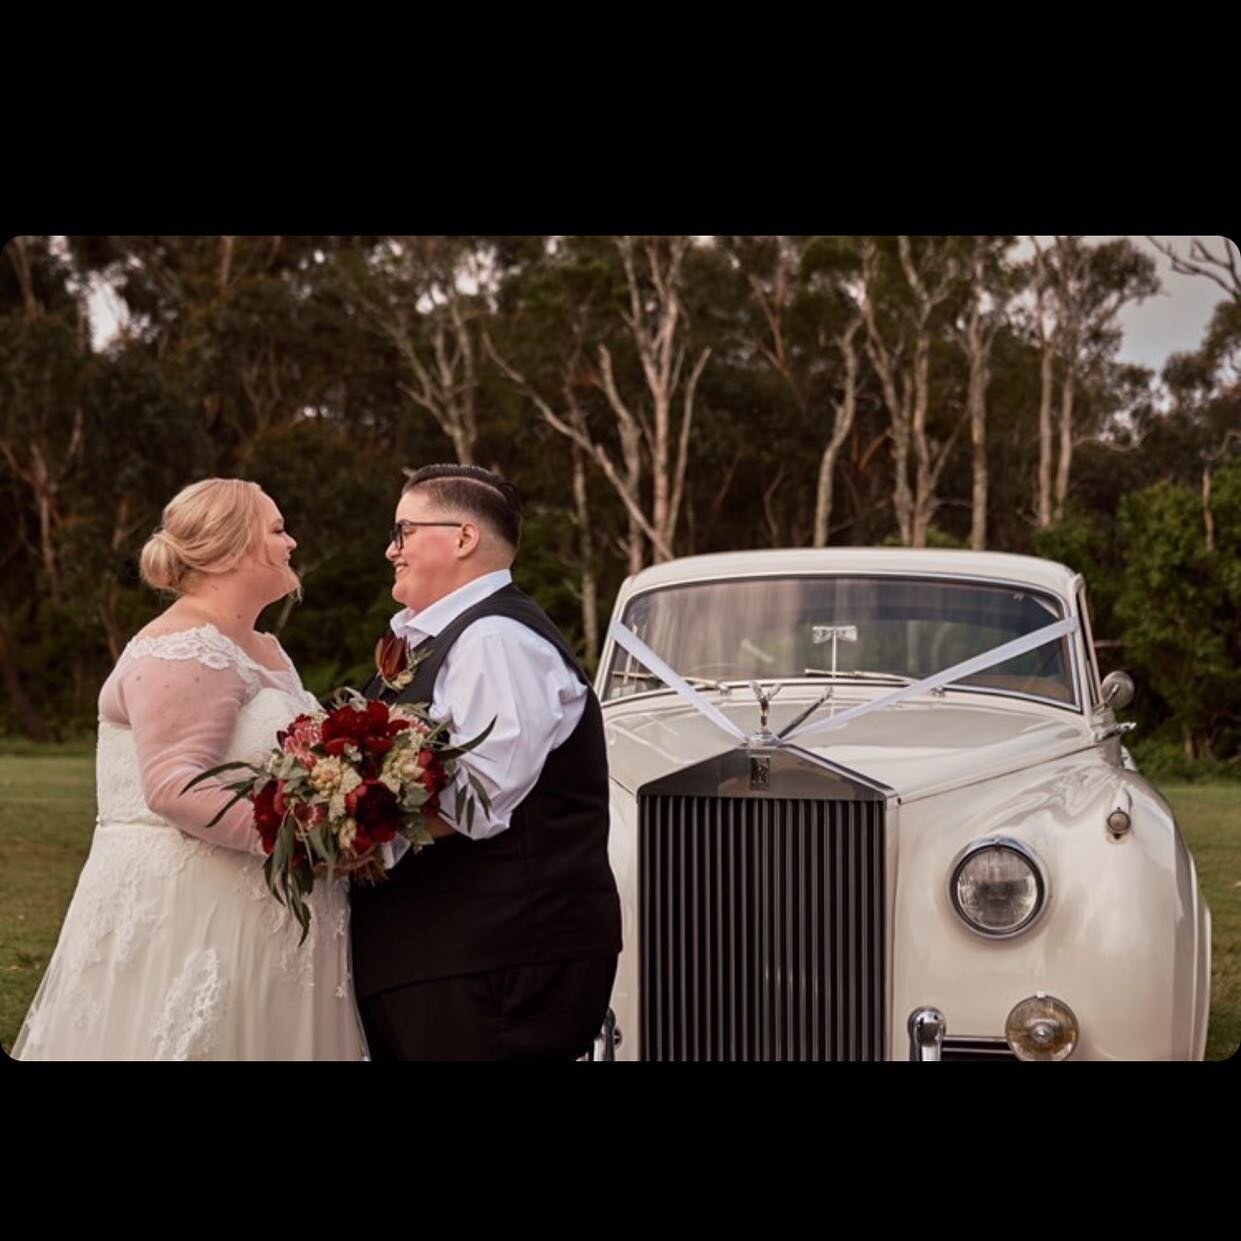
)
(172, 947)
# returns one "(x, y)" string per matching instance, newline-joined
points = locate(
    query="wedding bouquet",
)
(342, 783)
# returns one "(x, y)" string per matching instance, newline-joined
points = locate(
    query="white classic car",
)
(872, 804)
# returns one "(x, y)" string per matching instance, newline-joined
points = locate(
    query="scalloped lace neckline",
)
(239, 651)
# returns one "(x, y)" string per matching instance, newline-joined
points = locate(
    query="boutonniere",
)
(393, 662)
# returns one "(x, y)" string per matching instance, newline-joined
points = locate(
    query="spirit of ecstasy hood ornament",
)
(764, 701)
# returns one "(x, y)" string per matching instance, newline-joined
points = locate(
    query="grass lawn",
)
(1210, 819)
(47, 814)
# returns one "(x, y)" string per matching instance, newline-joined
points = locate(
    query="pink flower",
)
(297, 740)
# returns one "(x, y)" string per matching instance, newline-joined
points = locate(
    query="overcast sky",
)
(1174, 320)
(1171, 322)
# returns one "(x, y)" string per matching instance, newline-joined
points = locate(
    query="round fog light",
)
(1041, 1028)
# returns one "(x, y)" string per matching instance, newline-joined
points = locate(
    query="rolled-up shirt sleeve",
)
(501, 669)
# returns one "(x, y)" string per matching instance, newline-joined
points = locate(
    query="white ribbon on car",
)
(674, 681)
(630, 642)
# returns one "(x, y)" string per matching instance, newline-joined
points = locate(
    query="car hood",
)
(914, 748)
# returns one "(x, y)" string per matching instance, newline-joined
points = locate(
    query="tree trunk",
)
(226, 260)
(682, 461)
(979, 376)
(574, 428)
(823, 493)
(1208, 518)
(20, 259)
(769, 512)
(586, 546)
(902, 496)
(1064, 464)
(1045, 440)
(1047, 346)
(842, 424)
(41, 483)
(655, 325)
(631, 448)
(898, 417)
(924, 500)
(107, 616)
(978, 440)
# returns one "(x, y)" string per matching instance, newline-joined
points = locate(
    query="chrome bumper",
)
(607, 1040)
(926, 1034)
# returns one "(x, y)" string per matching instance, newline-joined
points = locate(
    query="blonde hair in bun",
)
(206, 527)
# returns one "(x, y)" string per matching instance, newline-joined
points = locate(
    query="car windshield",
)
(850, 628)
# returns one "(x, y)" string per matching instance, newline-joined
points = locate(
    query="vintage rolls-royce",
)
(873, 804)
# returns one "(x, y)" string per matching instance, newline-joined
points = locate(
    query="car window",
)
(771, 628)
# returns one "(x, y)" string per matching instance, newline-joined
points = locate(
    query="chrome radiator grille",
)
(762, 923)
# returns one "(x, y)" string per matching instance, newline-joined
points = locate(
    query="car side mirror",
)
(1118, 690)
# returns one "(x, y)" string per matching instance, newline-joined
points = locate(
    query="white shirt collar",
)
(414, 627)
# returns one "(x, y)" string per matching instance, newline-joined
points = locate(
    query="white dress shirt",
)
(502, 668)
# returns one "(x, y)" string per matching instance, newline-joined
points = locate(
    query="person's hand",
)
(439, 828)
(347, 865)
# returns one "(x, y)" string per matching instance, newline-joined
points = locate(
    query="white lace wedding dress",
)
(173, 948)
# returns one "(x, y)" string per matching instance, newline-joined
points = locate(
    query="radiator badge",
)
(760, 772)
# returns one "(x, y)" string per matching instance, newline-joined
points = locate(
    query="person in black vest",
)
(500, 942)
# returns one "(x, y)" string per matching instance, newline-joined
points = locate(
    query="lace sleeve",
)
(183, 712)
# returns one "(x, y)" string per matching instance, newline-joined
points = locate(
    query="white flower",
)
(402, 765)
(347, 833)
(328, 775)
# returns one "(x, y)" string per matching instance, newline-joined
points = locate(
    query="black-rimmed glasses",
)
(397, 533)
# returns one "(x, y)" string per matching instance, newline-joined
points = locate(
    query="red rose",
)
(340, 729)
(373, 806)
(266, 817)
(309, 816)
(434, 777)
(371, 730)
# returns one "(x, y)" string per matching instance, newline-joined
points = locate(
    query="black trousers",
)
(531, 1012)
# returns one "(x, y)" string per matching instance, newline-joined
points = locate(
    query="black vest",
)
(540, 891)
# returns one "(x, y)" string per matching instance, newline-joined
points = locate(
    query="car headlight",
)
(997, 887)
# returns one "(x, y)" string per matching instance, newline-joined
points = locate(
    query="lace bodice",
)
(175, 705)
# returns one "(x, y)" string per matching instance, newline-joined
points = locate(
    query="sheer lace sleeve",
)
(183, 712)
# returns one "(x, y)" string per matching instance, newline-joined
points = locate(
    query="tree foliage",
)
(650, 396)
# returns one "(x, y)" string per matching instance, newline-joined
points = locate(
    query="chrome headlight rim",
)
(1028, 855)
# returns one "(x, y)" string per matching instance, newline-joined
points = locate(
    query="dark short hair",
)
(470, 489)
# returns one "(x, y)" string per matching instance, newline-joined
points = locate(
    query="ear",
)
(468, 539)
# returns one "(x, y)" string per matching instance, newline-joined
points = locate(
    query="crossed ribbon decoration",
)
(629, 641)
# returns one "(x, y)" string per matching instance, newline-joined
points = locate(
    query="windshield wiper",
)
(696, 682)
(858, 674)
